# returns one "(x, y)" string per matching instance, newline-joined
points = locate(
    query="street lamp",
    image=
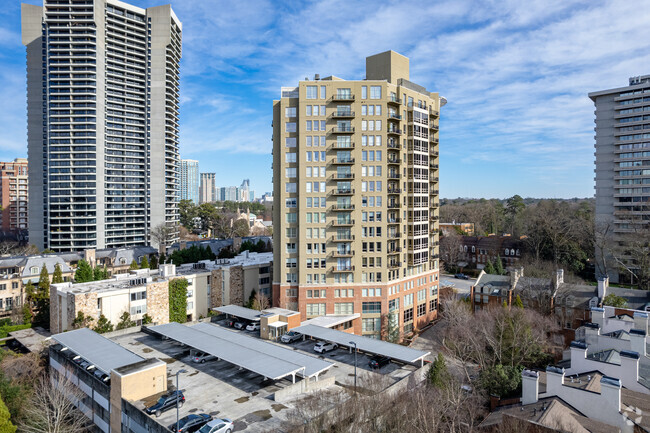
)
(355, 365)
(177, 393)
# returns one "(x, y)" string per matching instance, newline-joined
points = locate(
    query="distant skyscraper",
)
(244, 190)
(251, 195)
(13, 195)
(355, 212)
(622, 153)
(102, 104)
(190, 180)
(207, 189)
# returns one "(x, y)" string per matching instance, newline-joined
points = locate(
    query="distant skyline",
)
(516, 76)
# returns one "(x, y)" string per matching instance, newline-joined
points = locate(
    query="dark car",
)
(165, 403)
(378, 361)
(461, 276)
(191, 423)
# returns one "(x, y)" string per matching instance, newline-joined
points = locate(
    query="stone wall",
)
(55, 311)
(81, 302)
(216, 280)
(237, 285)
(158, 302)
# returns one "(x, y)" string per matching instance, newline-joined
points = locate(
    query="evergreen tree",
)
(144, 264)
(498, 267)
(134, 265)
(103, 325)
(84, 272)
(489, 268)
(438, 374)
(125, 321)
(154, 263)
(98, 274)
(5, 423)
(42, 298)
(81, 321)
(518, 303)
(57, 276)
(146, 319)
(162, 259)
(27, 314)
(30, 294)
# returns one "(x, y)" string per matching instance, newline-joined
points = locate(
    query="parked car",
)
(223, 425)
(231, 322)
(201, 357)
(240, 325)
(191, 423)
(378, 361)
(255, 326)
(290, 337)
(165, 403)
(461, 276)
(325, 346)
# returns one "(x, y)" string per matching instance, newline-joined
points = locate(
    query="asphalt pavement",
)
(461, 286)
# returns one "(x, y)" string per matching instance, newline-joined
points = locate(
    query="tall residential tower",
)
(102, 101)
(13, 195)
(622, 181)
(207, 190)
(356, 198)
(190, 180)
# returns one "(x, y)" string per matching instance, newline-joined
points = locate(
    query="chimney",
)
(592, 331)
(515, 275)
(630, 367)
(529, 387)
(641, 320)
(559, 278)
(610, 391)
(603, 284)
(578, 354)
(598, 316)
(89, 256)
(637, 341)
(554, 380)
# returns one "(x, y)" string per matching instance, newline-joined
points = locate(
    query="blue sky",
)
(516, 75)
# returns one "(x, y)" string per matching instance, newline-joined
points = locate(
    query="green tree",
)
(42, 300)
(84, 272)
(98, 274)
(501, 380)
(178, 300)
(438, 375)
(57, 276)
(81, 321)
(188, 211)
(251, 299)
(27, 313)
(103, 325)
(134, 265)
(146, 319)
(125, 321)
(144, 264)
(613, 300)
(5, 424)
(498, 267)
(154, 262)
(489, 267)
(518, 303)
(162, 259)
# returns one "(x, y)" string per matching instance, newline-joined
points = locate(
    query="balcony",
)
(394, 205)
(433, 178)
(336, 223)
(433, 231)
(434, 166)
(434, 140)
(343, 114)
(435, 192)
(394, 131)
(434, 153)
(337, 254)
(342, 146)
(342, 130)
(342, 176)
(342, 207)
(342, 97)
(338, 269)
(394, 190)
(342, 238)
(393, 265)
(342, 191)
(434, 127)
(343, 161)
(434, 205)
(394, 220)
(434, 113)
(393, 145)
(394, 176)
(394, 250)
(394, 116)
(394, 100)
(434, 218)
(394, 161)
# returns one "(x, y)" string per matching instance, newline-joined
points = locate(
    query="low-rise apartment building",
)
(453, 227)
(476, 251)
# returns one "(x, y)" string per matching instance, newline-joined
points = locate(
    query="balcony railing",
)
(337, 223)
(394, 190)
(343, 161)
(435, 140)
(343, 130)
(393, 265)
(394, 250)
(394, 116)
(394, 176)
(434, 127)
(337, 269)
(394, 205)
(342, 191)
(394, 100)
(342, 254)
(342, 176)
(342, 97)
(343, 146)
(342, 207)
(342, 238)
(393, 145)
(394, 235)
(394, 220)
(394, 131)
(434, 113)
(343, 114)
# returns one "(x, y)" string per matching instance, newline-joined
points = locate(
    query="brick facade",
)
(158, 302)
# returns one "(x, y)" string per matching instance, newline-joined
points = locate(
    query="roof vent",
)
(316, 77)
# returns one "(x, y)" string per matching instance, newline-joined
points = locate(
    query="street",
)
(461, 286)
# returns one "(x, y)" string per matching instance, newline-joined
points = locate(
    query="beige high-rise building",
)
(356, 198)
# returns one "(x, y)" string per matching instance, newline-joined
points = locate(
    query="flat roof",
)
(241, 312)
(331, 320)
(365, 344)
(313, 366)
(96, 349)
(278, 324)
(252, 360)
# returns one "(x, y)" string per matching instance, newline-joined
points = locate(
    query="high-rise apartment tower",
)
(190, 180)
(102, 100)
(13, 195)
(622, 181)
(356, 198)
(207, 189)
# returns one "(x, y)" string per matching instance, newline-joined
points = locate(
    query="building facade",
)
(190, 180)
(356, 197)
(103, 101)
(622, 152)
(207, 190)
(13, 195)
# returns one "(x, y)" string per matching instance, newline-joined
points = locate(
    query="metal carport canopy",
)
(313, 366)
(241, 312)
(365, 344)
(252, 360)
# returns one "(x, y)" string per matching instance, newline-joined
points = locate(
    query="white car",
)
(323, 346)
(255, 326)
(290, 337)
(201, 357)
(217, 425)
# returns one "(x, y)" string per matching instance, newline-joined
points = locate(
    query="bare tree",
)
(52, 407)
(260, 302)
(161, 235)
(450, 247)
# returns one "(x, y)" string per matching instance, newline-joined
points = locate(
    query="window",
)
(291, 247)
(408, 300)
(408, 315)
(344, 308)
(290, 141)
(34, 270)
(290, 127)
(291, 232)
(375, 92)
(422, 309)
(290, 172)
(371, 325)
(292, 277)
(290, 112)
(292, 293)
(433, 304)
(323, 92)
(290, 187)
(290, 157)
(315, 309)
(308, 110)
(312, 92)
(308, 125)
(364, 92)
(138, 309)
(137, 296)
(371, 307)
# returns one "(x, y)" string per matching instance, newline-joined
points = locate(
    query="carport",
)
(239, 312)
(364, 344)
(313, 366)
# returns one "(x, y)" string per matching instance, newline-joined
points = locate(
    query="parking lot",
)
(221, 389)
